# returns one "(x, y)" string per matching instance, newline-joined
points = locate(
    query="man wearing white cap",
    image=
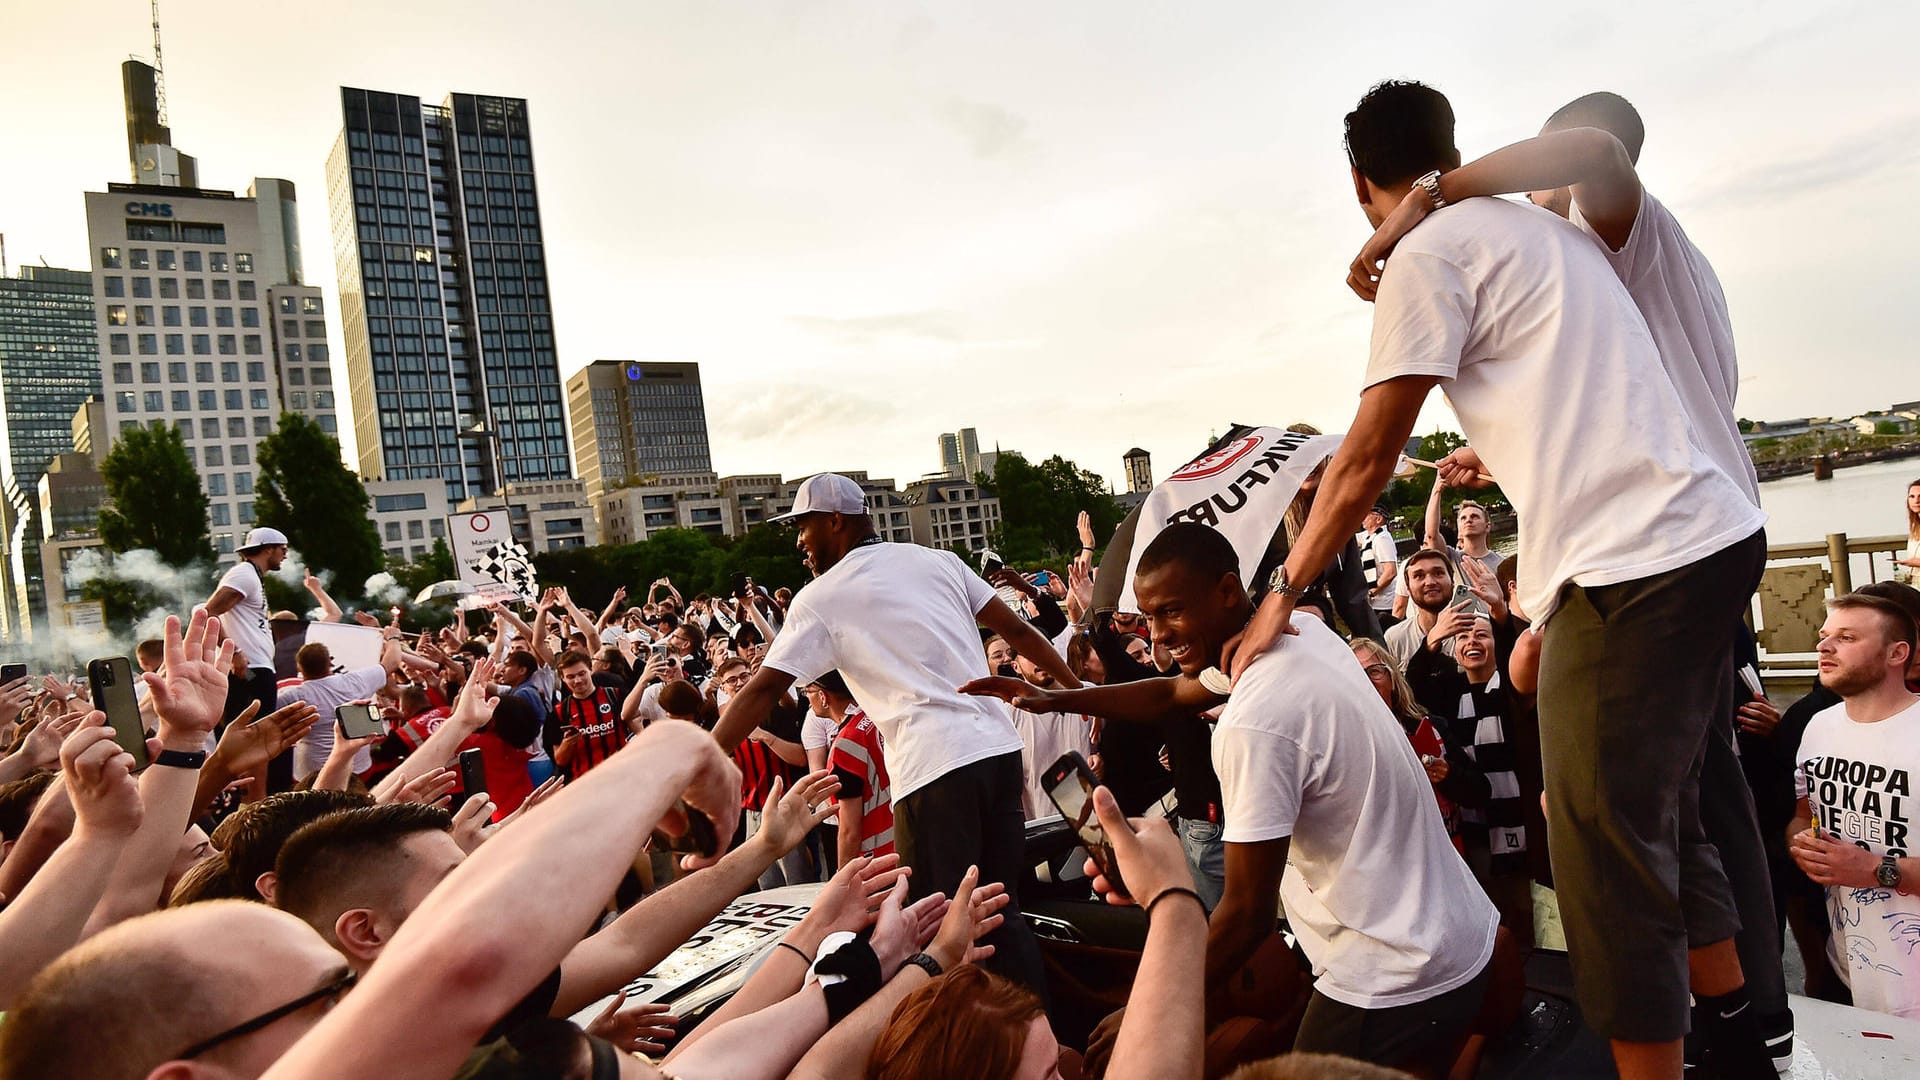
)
(900, 623)
(240, 600)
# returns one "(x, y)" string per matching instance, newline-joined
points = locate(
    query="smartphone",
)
(739, 584)
(1043, 579)
(1070, 783)
(989, 562)
(1462, 596)
(700, 836)
(12, 672)
(473, 773)
(359, 721)
(111, 679)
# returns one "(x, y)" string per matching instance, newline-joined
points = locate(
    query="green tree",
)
(307, 492)
(1040, 504)
(154, 498)
(435, 565)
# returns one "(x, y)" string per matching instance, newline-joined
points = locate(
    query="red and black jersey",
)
(597, 719)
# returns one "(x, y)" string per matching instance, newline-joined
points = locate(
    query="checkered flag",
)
(509, 564)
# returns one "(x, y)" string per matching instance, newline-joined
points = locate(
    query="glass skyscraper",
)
(443, 292)
(49, 366)
(637, 422)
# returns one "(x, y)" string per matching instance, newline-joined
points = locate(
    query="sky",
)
(1076, 227)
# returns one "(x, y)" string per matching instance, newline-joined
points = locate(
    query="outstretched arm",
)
(1143, 701)
(1431, 536)
(1027, 641)
(751, 707)
(330, 610)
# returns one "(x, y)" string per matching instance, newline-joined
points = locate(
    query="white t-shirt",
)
(1678, 293)
(1858, 779)
(1385, 908)
(1385, 553)
(817, 732)
(325, 695)
(898, 622)
(1558, 385)
(246, 621)
(649, 707)
(1044, 738)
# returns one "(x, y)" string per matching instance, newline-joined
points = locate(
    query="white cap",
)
(264, 537)
(827, 493)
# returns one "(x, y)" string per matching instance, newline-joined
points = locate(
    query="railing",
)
(1791, 603)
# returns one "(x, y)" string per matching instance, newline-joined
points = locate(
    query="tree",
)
(1040, 504)
(305, 491)
(154, 498)
(435, 565)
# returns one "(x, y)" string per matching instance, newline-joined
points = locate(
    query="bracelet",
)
(797, 951)
(1169, 891)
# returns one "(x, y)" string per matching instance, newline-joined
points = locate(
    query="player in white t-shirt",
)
(1326, 809)
(1854, 832)
(240, 600)
(1636, 556)
(900, 624)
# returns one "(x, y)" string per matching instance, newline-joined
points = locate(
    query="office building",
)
(945, 513)
(885, 502)
(632, 513)
(408, 515)
(637, 422)
(547, 515)
(450, 355)
(49, 366)
(960, 454)
(189, 287)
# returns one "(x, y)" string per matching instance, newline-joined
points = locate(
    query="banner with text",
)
(488, 557)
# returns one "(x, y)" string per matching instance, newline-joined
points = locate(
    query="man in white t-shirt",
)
(1326, 809)
(1379, 563)
(240, 600)
(900, 624)
(1854, 832)
(327, 690)
(1637, 555)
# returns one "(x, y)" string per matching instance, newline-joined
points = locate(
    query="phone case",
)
(112, 682)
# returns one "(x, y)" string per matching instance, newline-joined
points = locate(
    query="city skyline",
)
(824, 205)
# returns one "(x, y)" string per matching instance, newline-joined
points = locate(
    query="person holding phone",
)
(1431, 588)
(326, 691)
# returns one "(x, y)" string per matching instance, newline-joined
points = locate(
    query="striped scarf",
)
(1479, 729)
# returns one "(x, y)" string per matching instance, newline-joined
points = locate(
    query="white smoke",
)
(177, 590)
(382, 589)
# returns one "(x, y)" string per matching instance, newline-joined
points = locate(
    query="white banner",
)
(353, 646)
(488, 557)
(1242, 490)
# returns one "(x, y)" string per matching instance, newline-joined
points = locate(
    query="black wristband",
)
(925, 963)
(1169, 891)
(797, 951)
(860, 967)
(181, 759)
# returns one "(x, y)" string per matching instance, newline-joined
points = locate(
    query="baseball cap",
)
(827, 493)
(1381, 510)
(264, 537)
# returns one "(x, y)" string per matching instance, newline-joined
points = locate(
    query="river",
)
(1866, 500)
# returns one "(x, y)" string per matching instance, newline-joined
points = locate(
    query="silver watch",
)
(1277, 584)
(1430, 184)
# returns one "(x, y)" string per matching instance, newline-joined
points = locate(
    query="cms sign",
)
(150, 209)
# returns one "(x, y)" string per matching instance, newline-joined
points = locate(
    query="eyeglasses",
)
(733, 682)
(1379, 671)
(333, 989)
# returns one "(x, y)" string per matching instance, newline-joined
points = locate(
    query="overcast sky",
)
(1076, 227)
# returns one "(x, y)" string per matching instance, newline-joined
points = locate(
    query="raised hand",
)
(1450, 623)
(850, 900)
(14, 697)
(1151, 857)
(430, 788)
(248, 744)
(365, 619)
(99, 778)
(1004, 578)
(475, 705)
(791, 815)
(1083, 525)
(974, 913)
(547, 789)
(640, 1028)
(1485, 587)
(190, 691)
(41, 747)
(470, 822)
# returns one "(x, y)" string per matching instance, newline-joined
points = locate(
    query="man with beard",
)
(900, 624)
(1429, 586)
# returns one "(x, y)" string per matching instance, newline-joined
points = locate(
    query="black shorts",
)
(1425, 1035)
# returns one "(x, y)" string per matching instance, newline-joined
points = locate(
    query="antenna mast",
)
(159, 68)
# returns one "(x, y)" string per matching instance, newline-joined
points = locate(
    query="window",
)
(164, 260)
(327, 423)
(203, 372)
(236, 400)
(256, 371)
(197, 290)
(243, 262)
(116, 314)
(149, 344)
(248, 292)
(246, 508)
(182, 400)
(416, 530)
(257, 399)
(242, 455)
(116, 286)
(217, 262)
(250, 317)
(176, 344)
(236, 428)
(222, 316)
(193, 263)
(393, 531)
(317, 353)
(209, 401)
(243, 483)
(229, 371)
(110, 258)
(222, 289)
(296, 377)
(223, 543)
(262, 426)
(217, 483)
(137, 259)
(156, 401)
(228, 346)
(286, 305)
(209, 428)
(218, 512)
(294, 354)
(324, 377)
(143, 288)
(323, 399)
(436, 528)
(197, 316)
(251, 345)
(170, 315)
(122, 373)
(290, 328)
(202, 344)
(316, 328)
(296, 399)
(126, 401)
(169, 288)
(310, 305)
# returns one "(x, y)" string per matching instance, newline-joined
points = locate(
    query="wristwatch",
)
(1277, 584)
(1888, 872)
(925, 963)
(1430, 183)
(181, 759)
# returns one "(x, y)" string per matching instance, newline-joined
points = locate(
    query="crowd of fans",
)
(433, 863)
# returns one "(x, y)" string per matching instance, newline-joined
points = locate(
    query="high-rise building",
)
(49, 366)
(202, 320)
(960, 454)
(443, 291)
(637, 422)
